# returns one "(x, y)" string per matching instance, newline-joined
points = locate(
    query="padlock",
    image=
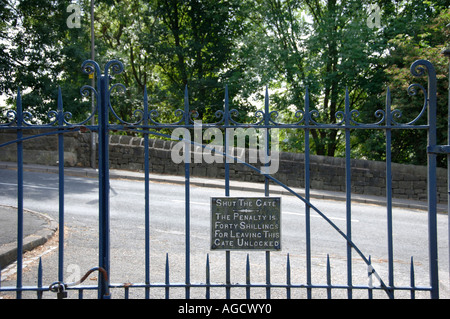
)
(59, 288)
(61, 294)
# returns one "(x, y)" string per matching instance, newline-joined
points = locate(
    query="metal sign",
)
(246, 223)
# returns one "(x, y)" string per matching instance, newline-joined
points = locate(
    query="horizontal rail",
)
(114, 127)
(220, 285)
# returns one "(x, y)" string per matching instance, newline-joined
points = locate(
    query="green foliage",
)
(427, 43)
(330, 51)
(286, 45)
(40, 54)
(167, 45)
(409, 39)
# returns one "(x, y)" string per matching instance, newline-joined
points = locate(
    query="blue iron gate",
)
(147, 124)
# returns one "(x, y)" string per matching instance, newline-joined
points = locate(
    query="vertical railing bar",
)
(266, 139)
(19, 196)
(247, 278)
(167, 279)
(389, 190)
(187, 161)
(432, 178)
(228, 274)
(227, 191)
(147, 198)
(104, 244)
(266, 180)
(61, 188)
(80, 294)
(412, 280)
(126, 292)
(348, 190)
(328, 277)
(307, 197)
(369, 274)
(288, 277)
(208, 278)
(268, 292)
(39, 281)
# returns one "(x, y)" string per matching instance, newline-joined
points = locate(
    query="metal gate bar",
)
(307, 196)
(389, 189)
(348, 191)
(60, 116)
(146, 125)
(187, 198)
(146, 198)
(19, 197)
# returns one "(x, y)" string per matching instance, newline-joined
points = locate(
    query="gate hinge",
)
(439, 149)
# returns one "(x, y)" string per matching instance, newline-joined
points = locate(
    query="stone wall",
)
(44, 149)
(327, 173)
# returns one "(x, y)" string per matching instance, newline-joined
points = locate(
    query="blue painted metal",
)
(227, 192)
(412, 279)
(266, 180)
(348, 191)
(389, 188)
(208, 278)
(307, 196)
(147, 198)
(39, 283)
(418, 70)
(187, 162)
(103, 169)
(146, 123)
(247, 277)
(60, 117)
(288, 277)
(167, 277)
(329, 276)
(20, 120)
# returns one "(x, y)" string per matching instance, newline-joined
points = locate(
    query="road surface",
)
(167, 231)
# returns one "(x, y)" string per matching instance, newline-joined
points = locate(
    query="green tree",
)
(428, 43)
(329, 46)
(325, 46)
(168, 45)
(42, 53)
(413, 30)
(118, 28)
(287, 45)
(196, 40)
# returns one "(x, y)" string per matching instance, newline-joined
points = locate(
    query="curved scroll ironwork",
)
(11, 117)
(113, 66)
(137, 114)
(228, 116)
(411, 91)
(116, 67)
(177, 113)
(381, 114)
(258, 114)
(90, 67)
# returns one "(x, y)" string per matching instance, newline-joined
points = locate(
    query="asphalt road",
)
(167, 232)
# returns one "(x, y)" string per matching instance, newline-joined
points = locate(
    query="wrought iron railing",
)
(145, 122)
